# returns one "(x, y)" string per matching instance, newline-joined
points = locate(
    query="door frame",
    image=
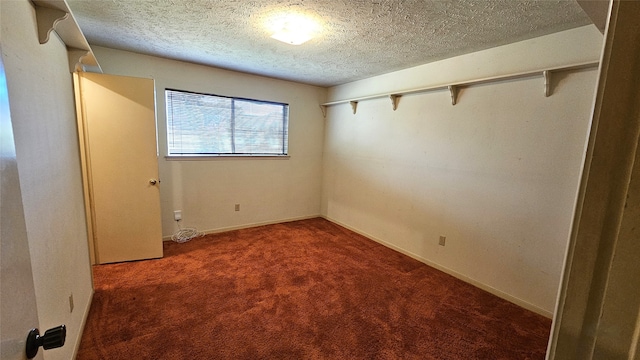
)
(598, 308)
(85, 163)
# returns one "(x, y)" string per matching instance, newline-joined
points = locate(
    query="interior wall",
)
(497, 174)
(18, 308)
(268, 190)
(46, 140)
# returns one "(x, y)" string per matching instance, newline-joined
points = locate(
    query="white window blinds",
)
(202, 124)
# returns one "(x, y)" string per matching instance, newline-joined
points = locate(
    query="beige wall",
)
(206, 191)
(514, 155)
(18, 307)
(43, 114)
(497, 174)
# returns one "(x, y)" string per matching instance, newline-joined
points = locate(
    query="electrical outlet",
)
(237, 207)
(177, 215)
(442, 240)
(71, 303)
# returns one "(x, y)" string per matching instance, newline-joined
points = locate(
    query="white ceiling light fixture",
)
(294, 29)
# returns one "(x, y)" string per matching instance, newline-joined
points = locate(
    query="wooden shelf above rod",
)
(55, 15)
(453, 87)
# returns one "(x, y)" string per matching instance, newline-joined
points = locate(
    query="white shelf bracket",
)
(454, 94)
(454, 89)
(394, 100)
(47, 19)
(547, 83)
(76, 56)
(324, 110)
(354, 105)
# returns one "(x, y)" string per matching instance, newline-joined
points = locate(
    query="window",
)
(203, 124)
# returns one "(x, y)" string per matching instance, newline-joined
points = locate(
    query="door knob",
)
(153, 181)
(52, 338)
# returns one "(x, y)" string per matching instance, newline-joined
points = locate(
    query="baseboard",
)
(84, 322)
(250, 225)
(444, 269)
(451, 272)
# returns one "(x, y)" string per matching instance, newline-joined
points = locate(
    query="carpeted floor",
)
(301, 290)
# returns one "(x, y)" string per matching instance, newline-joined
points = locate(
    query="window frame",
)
(210, 156)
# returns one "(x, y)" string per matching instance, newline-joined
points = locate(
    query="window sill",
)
(224, 157)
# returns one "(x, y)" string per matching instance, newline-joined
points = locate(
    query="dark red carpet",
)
(300, 290)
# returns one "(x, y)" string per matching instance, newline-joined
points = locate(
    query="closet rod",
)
(453, 87)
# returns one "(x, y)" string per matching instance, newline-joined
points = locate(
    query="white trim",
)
(225, 157)
(84, 322)
(597, 307)
(446, 270)
(251, 225)
(451, 272)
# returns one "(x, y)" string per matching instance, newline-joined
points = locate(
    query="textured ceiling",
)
(359, 38)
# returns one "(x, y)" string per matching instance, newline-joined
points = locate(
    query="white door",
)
(18, 313)
(119, 126)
